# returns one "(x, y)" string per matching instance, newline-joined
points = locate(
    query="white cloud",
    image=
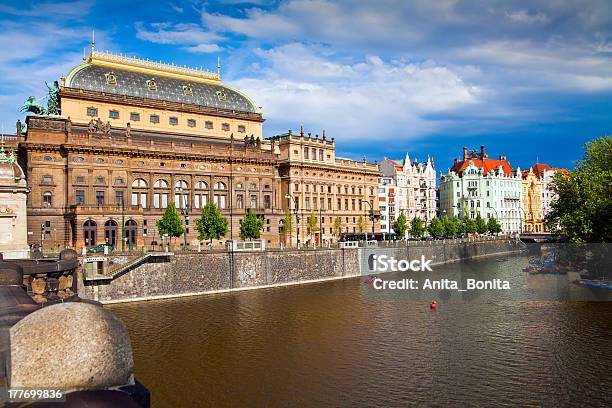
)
(181, 33)
(203, 48)
(524, 17)
(368, 99)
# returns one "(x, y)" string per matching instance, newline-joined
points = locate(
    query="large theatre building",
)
(134, 136)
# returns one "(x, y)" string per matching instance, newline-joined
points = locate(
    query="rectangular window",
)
(99, 198)
(119, 197)
(191, 122)
(225, 127)
(305, 152)
(208, 124)
(143, 200)
(119, 181)
(92, 111)
(219, 200)
(346, 203)
(321, 154)
(314, 153)
(322, 204)
(164, 200)
(113, 114)
(307, 203)
(47, 179)
(80, 180)
(267, 201)
(253, 201)
(134, 198)
(156, 200)
(134, 116)
(154, 118)
(173, 121)
(239, 201)
(241, 129)
(80, 197)
(329, 206)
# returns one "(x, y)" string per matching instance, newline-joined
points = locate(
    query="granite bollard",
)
(71, 346)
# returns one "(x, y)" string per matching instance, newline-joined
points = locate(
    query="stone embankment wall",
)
(199, 273)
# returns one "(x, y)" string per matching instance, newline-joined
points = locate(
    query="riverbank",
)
(202, 273)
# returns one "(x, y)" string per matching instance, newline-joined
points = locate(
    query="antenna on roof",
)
(218, 67)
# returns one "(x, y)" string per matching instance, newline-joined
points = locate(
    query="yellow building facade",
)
(532, 202)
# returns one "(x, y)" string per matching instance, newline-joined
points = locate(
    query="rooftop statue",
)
(53, 101)
(31, 105)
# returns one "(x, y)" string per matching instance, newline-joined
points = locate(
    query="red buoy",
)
(433, 305)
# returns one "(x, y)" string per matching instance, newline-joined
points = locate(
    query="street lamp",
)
(297, 218)
(185, 212)
(371, 215)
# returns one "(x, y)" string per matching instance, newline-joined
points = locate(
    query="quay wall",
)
(200, 273)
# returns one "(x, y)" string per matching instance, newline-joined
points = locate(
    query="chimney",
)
(482, 152)
(464, 153)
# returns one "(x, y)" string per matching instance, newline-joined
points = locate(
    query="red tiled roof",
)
(540, 168)
(489, 164)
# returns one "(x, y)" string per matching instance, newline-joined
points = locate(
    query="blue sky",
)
(528, 79)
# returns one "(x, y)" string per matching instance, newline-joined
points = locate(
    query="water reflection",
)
(342, 343)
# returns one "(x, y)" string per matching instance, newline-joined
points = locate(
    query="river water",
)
(545, 342)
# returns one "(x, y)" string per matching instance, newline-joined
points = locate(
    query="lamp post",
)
(371, 215)
(185, 212)
(297, 218)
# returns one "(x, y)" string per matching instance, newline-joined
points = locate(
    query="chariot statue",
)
(31, 105)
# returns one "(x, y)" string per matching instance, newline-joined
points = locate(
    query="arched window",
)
(139, 193)
(47, 201)
(161, 184)
(161, 194)
(131, 232)
(89, 233)
(201, 195)
(110, 232)
(181, 194)
(139, 183)
(220, 196)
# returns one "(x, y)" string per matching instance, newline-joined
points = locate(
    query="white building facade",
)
(479, 185)
(415, 187)
(387, 204)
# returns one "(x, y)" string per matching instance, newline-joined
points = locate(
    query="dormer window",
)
(187, 90)
(222, 96)
(111, 78)
(151, 84)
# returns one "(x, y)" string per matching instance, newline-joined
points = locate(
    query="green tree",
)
(400, 226)
(251, 225)
(211, 224)
(312, 224)
(338, 225)
(361, 224)
(468, 225)
(481, 224)
(493, 226)
(450, 226)
(287, 222)
(583, 208)
(170, 223)
(417, 229)
(436, 227)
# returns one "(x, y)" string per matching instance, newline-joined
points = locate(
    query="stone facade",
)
(480, 185)
(416, 186)
(325, 186)
(13, 198)
(134, 136)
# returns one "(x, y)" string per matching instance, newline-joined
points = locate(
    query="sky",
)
(529, 79)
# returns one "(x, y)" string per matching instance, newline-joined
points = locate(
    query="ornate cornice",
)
(96, 96)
